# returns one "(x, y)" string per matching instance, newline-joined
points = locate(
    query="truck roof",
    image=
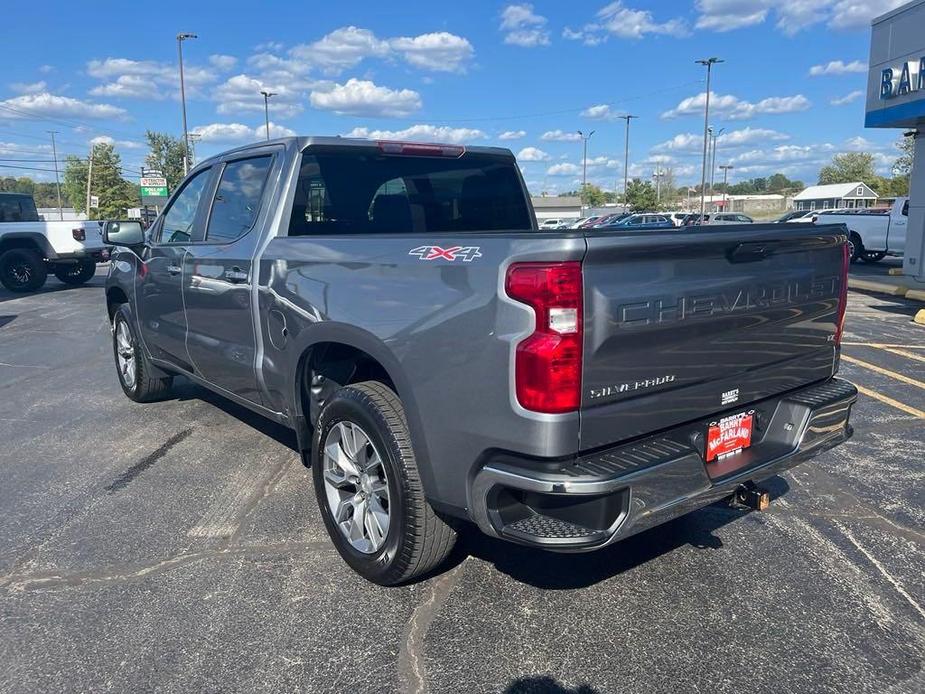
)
(303, 141)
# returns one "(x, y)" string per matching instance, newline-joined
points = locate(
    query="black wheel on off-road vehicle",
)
(22, 270)
(77, 273)
(369, 488)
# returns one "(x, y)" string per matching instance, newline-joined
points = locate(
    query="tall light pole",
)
(716, 135)
(584, 167)
(54, 153)
(626, 153)
(181, 37)
(709, 63)
(726, 168)
(266, 108)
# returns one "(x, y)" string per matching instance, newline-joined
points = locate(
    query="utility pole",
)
(708, 63)
(54, 153)
(584, 169)
(626, 153)
(716, 135)
(658, 183)
(181, 37)
(725, 168)
(266, 108)
(89, 178)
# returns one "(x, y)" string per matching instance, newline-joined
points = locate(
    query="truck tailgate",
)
(681, 325)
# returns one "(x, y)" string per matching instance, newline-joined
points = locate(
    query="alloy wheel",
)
(356, 487)
(125, 355)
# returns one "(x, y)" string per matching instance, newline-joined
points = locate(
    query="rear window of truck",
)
(367, 192)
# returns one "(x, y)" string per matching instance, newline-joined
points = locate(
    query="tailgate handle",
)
(752, 251)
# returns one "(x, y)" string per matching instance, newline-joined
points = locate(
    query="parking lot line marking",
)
(885, 372)
(904, 353)
(881, 345)
(908, 409)
(896, 584)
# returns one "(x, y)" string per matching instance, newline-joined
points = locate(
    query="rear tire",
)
(873, 256)
(363, 463)
(137, 376)
(76, 274)
(22, 270)
(855, 246)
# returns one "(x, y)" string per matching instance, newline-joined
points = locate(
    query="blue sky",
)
(522, 75)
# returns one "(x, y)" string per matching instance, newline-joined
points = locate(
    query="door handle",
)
(174, 269)
(235, 275)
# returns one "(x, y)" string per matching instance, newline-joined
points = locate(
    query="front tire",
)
(137, 375)
(77, 273)
(369, 489)
(855, 246)
(22, 270)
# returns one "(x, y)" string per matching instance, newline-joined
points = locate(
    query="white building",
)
(556, 207)
(855, 194)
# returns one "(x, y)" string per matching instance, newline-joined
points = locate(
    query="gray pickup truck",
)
(442, 359)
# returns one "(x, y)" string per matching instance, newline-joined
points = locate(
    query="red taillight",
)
(547, 369)
(420, 149)
(843, 294)
(79, 234)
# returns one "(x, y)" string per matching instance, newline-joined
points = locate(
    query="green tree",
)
(640, 195)
(165, 154)
(848, 168)
(592, 196)
(115, 194)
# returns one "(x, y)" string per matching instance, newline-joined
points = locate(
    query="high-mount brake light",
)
(843, 293)
(547, 364)
(420, 149)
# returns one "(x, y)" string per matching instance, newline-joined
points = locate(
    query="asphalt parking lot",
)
(176, 547)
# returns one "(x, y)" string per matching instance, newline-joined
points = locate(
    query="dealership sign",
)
(905, 79)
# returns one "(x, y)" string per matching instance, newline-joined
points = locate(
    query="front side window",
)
(181, 216)
(342, 191)
(237, 199)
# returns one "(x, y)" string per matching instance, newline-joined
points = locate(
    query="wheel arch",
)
(28, 240)
(115, 297)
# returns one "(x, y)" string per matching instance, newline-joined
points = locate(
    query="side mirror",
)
(123, 233)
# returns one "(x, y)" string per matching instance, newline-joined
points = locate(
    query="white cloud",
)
(848, 98)
(532, 154)
(29, 88)
(222, 62)
(792, 16)
(238, 132)
(123, 144)
(523, 27)
(145, 79)
(46, 69)
(838, 67)
(364, 98)
(565, 169)
(512, 134)
(439, 51)
(733, 108)
(19, 149)
(45, 104)
(241, 93)
(421, 132)
(559, 136)
(600, 112)
(627, 23)
(691, 143)
(348, 46)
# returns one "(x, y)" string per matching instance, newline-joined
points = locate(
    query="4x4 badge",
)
(465, 253)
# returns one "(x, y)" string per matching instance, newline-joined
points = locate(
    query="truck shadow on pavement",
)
(544, 684)
(555, 571)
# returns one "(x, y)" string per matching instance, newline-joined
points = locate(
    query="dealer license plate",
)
(729, 435)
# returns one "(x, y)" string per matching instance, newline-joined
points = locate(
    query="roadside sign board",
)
(153, 187)
(94, 201)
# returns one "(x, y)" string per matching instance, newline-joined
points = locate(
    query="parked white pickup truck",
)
(873, 234)
(30, 248)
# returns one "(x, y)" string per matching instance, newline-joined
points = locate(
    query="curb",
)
(916, 294)
(879, 287)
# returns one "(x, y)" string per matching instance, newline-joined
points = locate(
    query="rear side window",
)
(17, 208)
(237, 199)
(178, 226)
(362, 192)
